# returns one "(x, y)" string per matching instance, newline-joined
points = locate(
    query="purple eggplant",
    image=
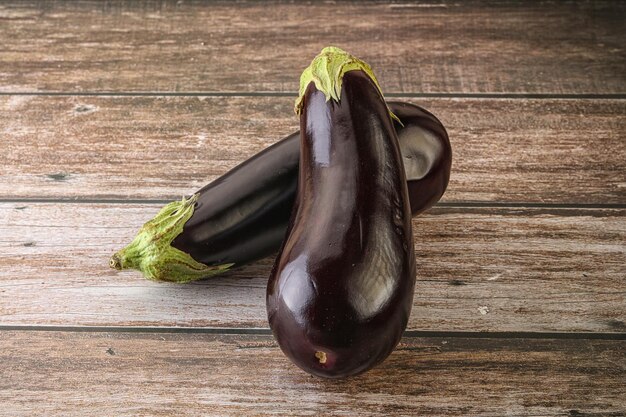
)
(243, 215)
(341, 289)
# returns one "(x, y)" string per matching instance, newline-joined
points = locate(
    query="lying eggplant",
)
(341, 290)
(242, 216)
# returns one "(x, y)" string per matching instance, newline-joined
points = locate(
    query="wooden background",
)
(110, 109)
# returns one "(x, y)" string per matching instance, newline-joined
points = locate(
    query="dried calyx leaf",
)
(327, 71)
(152, 253)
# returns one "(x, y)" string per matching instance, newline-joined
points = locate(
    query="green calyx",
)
(151, 251)
(327, 71)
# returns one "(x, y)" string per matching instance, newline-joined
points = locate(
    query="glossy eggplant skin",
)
(341, 290)
(426, 153)
(242, 216)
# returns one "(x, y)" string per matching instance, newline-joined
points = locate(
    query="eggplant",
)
(340, 293)
(243, 215)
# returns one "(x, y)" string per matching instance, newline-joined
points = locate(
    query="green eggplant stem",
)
(151, 251)
(327, 71)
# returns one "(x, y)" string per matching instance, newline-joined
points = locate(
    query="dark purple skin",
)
(426, 153)
(243, 215)
(341, 290)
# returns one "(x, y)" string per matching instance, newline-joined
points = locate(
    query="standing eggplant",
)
(341, 290)
(242, 216)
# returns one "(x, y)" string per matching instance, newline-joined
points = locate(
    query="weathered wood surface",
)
(442, 47)
(559, 267)
(123, 374)
(478, 269)
(558, 151)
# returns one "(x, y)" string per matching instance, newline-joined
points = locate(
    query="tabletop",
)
(110, 109)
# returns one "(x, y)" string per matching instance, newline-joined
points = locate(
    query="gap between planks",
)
(508, 96)
(451, 204)
(267, 332)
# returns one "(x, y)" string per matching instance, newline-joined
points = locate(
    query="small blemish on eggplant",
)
(59, 176)
(321, 356)
(28, 244)
(456, 282)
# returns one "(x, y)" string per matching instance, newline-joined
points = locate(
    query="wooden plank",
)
(448, 46)
(78, 374)
(559, 151)
(479, 269)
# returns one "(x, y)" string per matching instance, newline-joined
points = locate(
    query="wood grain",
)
(442, 47)
(123, 374)
(508, 270)
(478, 270)
(557, 151)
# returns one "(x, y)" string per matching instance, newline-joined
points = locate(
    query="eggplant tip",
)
(321, 356)
(115, 262)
